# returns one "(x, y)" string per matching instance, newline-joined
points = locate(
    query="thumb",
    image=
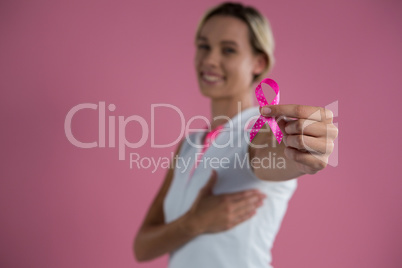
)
(207, 189)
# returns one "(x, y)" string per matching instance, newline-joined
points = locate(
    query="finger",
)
(310, 144)
(246, 212)
(266, 134)
(311, 128)
(306, 127)
(237, 196)
(247, 204)
(309, 162)
(282, 122)
(298, 111)
(241, 218)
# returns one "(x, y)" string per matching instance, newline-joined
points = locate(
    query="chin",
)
(213, 93)
(208, 92)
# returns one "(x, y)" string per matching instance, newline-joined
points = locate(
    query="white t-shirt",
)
(248, 244)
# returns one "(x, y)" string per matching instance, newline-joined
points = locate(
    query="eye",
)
(229, 50)
(203, 46)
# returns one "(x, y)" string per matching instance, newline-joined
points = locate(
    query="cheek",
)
(234, 68)
(197, 60)
(239, 71)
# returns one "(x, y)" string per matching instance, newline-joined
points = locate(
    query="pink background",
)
(63, 206)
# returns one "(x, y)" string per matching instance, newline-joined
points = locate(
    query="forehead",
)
(219, 28)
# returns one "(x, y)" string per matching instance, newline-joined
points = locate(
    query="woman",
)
(228, 215)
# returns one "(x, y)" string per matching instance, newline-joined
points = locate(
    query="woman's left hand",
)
(309, 136)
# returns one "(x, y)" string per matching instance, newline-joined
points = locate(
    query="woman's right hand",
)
(216, 213)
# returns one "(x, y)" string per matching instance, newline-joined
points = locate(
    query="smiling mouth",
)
(211, 79)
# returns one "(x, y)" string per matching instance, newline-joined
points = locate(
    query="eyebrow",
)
(222, 42)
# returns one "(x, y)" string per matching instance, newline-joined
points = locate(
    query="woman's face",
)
(224, 60)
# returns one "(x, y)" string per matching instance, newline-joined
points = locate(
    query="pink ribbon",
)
(263, 102)
(209, 138)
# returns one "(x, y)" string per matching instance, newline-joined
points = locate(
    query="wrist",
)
(190, 225)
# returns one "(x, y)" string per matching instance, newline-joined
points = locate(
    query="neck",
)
(229, 107)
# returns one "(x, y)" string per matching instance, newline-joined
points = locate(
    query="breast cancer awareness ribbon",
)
(209, 138)
(263, 102)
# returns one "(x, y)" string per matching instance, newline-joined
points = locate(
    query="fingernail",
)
(266, 110)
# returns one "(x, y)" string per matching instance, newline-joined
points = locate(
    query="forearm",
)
(156, 240)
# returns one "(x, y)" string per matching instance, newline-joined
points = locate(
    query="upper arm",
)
(155, 213)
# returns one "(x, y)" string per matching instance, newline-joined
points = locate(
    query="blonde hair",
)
(261, 36)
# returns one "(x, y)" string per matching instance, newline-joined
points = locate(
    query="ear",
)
(260, 63)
